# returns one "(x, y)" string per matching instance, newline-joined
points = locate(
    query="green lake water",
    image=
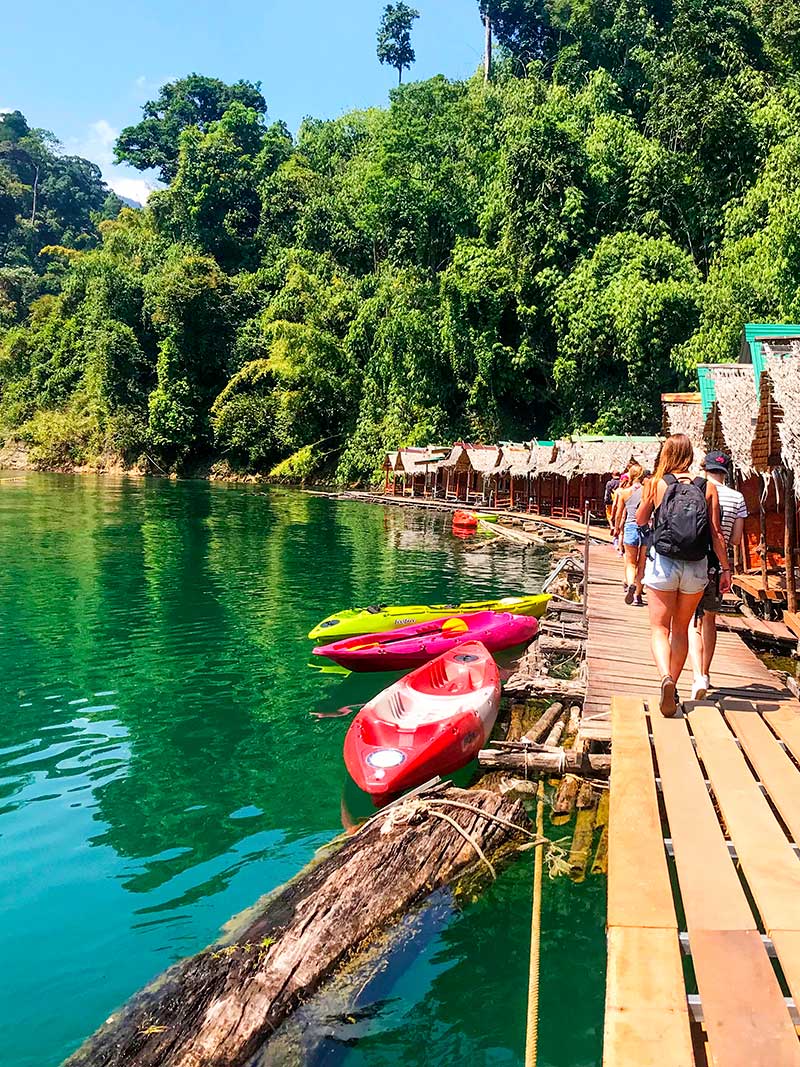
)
(161, 768)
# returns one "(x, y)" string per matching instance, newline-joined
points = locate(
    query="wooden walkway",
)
(704, 855)
(619, 661)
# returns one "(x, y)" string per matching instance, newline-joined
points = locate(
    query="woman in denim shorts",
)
(676, 586)
(632, 536)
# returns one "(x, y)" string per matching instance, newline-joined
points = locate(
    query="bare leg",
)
(631, 565)
(685, 607)
(696, 647)
(640, 565)
(661, 606)
(709, 640)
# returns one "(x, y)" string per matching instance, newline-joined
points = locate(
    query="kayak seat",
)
(446, 678)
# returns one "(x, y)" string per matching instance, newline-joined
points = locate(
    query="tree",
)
(394, 37)
(192, 101)
(522, 27)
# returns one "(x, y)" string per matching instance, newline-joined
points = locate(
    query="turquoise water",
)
(161, 768)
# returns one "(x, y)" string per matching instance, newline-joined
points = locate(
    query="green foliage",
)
(394, 37)
(543, 254)
(194, 102)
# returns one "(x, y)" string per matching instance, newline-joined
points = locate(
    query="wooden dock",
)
(704, 852)
(619, 661)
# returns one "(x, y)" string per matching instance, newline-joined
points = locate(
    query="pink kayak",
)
(433, 721)
(411, 646)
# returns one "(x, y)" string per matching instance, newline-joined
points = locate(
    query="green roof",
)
(752, 351)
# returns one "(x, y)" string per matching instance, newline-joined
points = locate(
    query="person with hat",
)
(733, 512)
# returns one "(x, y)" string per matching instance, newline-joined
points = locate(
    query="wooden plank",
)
(639, 891)
(786, 723)
(787, 946)
(712, 895)
(775, 769)
(647, 1017)
(744, 1013)
(769, 863)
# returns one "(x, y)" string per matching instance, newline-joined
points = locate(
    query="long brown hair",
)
(635, 472)
(676, 457)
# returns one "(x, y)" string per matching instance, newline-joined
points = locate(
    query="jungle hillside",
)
(541, 249)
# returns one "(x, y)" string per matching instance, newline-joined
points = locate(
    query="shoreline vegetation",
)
(540, 250)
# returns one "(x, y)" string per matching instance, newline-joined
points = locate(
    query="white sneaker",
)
(700, 688)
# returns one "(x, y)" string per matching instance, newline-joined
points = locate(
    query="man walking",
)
(703, 634)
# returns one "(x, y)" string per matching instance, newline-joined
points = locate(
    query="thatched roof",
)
(516, 460)
(683, 413)
(390, 462)
(730, 423)
(480, 458)
(600, 455)
(420, 460)
(777, 432)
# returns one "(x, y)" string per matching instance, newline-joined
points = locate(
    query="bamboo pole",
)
(790, 540)
(532, 1034)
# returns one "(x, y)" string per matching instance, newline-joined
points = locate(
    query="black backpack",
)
(681, 528)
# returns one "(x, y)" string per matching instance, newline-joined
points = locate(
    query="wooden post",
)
(790, 539)
(762, 514)
(586, 569)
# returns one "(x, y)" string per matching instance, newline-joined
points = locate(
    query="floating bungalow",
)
(417, 469)
(469, 471)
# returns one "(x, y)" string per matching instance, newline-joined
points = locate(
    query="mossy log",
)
(587, 798)
(600, 865)
(581, 844)
(556, 731)
(564, 804)
(544, 724)
(221, 1006)
(572, 689)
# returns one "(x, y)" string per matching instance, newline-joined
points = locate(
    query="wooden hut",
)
(776, 456)
(512, 477)
(390, 470)
(468, 471)
(575, 477)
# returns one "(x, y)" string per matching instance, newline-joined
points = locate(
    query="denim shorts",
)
(668, 575)
(634, 535)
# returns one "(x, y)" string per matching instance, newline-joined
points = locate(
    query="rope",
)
(532, 1033)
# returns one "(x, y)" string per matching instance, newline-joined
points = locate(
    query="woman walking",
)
(686, 520)
(632, 536)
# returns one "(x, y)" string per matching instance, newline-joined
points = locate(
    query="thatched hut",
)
(683, 413)
(512, 476)
(389, 467)
(731, 418)
(776, 456)
(468, 470)
(576, 474)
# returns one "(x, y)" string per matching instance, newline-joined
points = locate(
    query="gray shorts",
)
(667, 575)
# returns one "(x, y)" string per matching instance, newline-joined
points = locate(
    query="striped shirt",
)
(731, 508)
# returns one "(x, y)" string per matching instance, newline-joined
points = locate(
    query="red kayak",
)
(465, 519)
(411, 646)
(433, 721)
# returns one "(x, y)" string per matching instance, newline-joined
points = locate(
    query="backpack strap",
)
(670, 479)
(700, 483)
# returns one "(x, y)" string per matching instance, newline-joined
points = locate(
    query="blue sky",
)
(83, 69)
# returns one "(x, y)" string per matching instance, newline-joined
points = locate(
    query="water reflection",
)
(159, 768)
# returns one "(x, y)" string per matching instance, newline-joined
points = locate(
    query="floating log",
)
(564, 804)
(552, 646)
(542, 727)
(220, 1007)
(573, 725)
(603, 809)
(572, 689)
(515, 723)
(581, 844)
(555, 764)
(586, 797)
(600, 864)
(554, 736)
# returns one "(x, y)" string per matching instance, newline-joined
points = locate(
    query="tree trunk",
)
(221, 1006)
(487, 54)
(35, 193)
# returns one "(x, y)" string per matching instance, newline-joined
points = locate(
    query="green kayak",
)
(356, 621)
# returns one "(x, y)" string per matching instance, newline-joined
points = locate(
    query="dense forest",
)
(541, 251)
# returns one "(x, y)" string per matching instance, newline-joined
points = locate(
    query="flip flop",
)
(668, 703)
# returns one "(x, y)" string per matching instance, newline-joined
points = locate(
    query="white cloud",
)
(131, 188)
(98, 145)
